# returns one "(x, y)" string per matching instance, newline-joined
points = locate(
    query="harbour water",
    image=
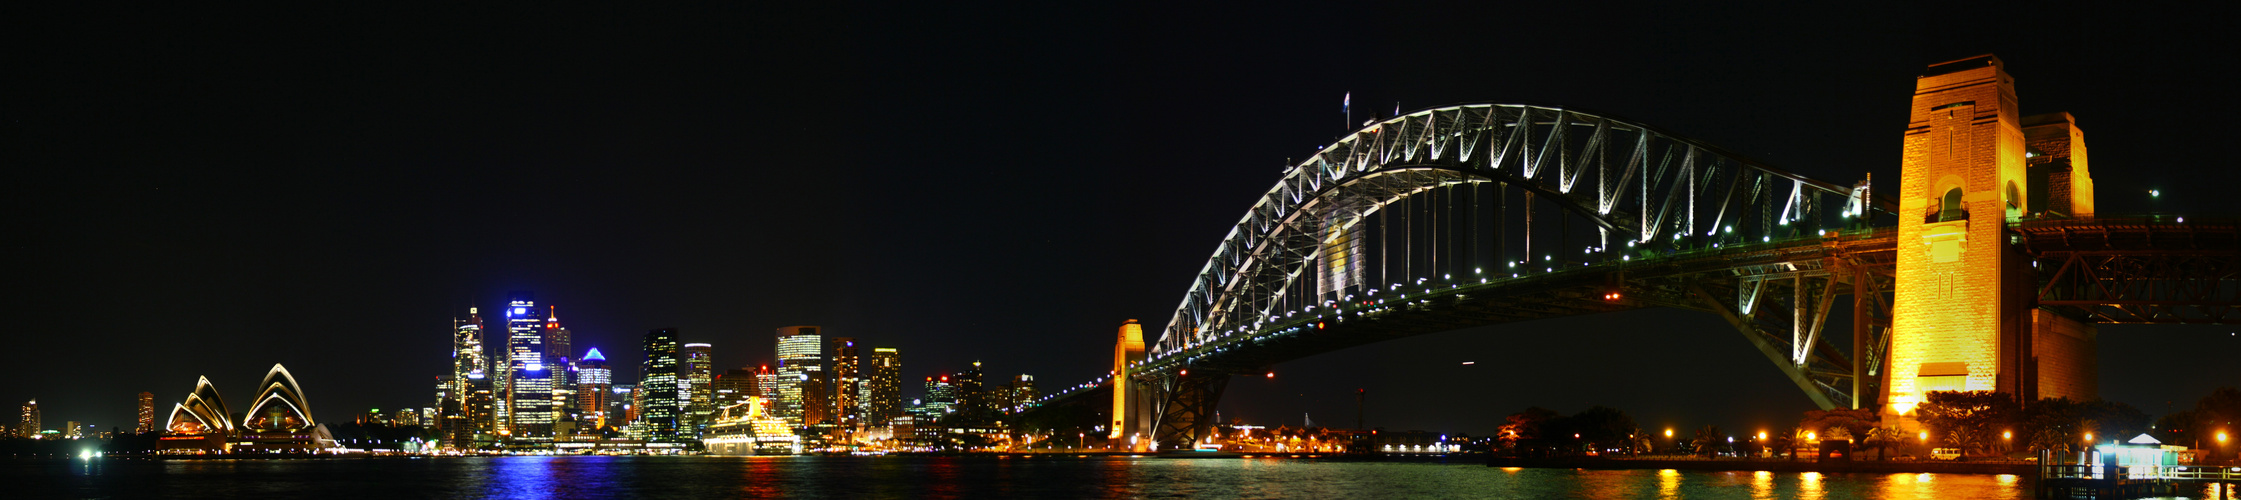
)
(940, 477)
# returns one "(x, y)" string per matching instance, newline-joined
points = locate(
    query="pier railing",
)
(2211, 473)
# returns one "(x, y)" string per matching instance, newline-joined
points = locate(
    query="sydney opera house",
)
(278, 421)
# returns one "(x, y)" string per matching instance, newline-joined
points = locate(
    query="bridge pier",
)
(1966, 316)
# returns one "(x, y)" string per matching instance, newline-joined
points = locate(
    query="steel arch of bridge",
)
(1636, 185)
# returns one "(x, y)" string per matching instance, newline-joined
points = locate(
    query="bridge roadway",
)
(1572, 289)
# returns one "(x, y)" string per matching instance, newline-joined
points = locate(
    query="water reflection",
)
(1809, 486)
(1668, 483)
(521, 477)
(974, 477)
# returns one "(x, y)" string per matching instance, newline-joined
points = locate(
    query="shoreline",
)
(2020, 469)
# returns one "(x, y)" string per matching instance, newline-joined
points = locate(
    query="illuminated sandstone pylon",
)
(1963, 317)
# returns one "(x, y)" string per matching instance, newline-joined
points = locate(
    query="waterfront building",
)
(407, 416)
(658, 408)
(147, 417)
(883, 387)
(800, 357)
(697, 364)
(529, 400)
(847, 383)
(279, 420)
(70, 430)
(594, 382)
(29, 425)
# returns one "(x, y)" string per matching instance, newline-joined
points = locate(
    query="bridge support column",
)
(1965, 319)
(1128, 399)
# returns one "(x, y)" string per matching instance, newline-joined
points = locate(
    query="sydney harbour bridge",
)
(1984, 268)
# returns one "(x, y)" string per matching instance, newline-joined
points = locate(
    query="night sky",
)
(195, 192)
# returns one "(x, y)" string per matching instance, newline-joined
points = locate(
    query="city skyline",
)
(960, 194)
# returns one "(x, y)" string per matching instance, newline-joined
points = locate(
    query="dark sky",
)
(195, 192)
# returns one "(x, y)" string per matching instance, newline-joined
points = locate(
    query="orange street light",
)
(1809, 436)
(2221, 437)
(2007, 434)
(1762, 435)
(1925, 435)
(2089, 437)
(1669, 433)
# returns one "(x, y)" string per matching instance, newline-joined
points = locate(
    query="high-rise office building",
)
(941, 398)
(29, 425)
(480, 409)
(800, 357)
(658, 408)
(1021, 392)
(594, 382)
(147, 418)
(816, 407)
(530, 399)
(766, 384)
(733, 387)
(468, 361)
(697, 379)
(622, 406)
(883, 387)
(847, 383)
(975, 406)
(561, 361)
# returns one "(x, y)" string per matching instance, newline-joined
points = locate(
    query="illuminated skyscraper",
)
(800, 357)
(941, 398)
(974, 405)
(658, 407)
(766, 384)
(29, 425)
(883, 390)
(696, 364)
(561, 361)
(468, 361)
(530, 400)
(594, 382)
(1021, 392)
(847, 382)
(147, 419)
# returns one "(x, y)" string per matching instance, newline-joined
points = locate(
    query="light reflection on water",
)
(906, 477)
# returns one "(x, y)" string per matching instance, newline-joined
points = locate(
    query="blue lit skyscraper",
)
(593, 381)
(530, 399)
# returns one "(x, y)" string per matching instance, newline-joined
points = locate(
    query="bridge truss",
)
(1534, 212)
